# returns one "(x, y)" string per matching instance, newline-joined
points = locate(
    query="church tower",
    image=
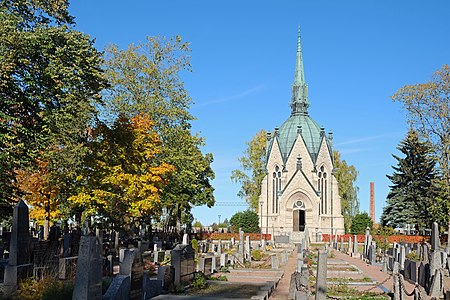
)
(300, 193)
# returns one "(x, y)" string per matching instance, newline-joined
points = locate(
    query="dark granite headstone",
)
(88, 280)
(137, 273)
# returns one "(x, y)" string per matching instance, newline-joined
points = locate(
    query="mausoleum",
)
(300, 190)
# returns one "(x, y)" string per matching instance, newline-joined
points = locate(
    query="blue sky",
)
(356, 55)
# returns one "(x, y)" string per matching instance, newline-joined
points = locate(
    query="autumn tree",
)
(346, 176)
(146, 78)
(42, 197)
(413, 193)
(50, 80)
(253, 169)
(123, 180)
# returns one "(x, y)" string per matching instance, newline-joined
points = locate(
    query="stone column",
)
(321, 277)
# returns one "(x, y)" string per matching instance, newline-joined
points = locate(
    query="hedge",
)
(414, 239)
(228, 236)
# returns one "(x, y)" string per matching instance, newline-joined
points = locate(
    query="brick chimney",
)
(372, 201)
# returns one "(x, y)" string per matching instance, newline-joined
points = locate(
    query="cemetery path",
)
(282, 290)
(373, 272)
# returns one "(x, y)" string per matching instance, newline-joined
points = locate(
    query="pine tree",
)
(413, 190)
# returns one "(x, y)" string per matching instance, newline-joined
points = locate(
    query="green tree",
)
(428, 110)
(360, 222)
(50, 80)
(346, 176)
(146, 78)
(411, 199)
(247, 220)
(197, 224)
(253, 169)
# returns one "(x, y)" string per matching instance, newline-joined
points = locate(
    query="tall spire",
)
(299, 102)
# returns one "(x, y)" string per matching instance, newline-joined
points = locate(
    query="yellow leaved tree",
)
(122, 179)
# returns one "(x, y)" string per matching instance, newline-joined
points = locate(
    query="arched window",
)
(276, 188)
(322, 186)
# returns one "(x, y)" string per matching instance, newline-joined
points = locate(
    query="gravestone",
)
(435, 262)
(435, 242)
(366, 243)
(185, 239)
(424, 274)
(137, 274)
(369, 243)
(223, 259)
(248, 251)
(166, 277)
(436, 286)
(118, 289)
(183, 263)
(219, 247)
(299, 261)
(274, 262)
(319, 236)
(426, 253)
(355, 252)
(143, 246)
(19, 247)
(321, 277)
(88, 280)
(241, 244)
(20, 236)
(307, 239)
(401, 258)
(372, 254)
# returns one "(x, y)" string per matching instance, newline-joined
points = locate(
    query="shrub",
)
(413, 255)
(199, 281)
(47, 288)
(256, 255)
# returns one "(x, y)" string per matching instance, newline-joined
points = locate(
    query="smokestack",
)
(372, 202)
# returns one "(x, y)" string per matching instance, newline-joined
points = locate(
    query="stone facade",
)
(300, 189)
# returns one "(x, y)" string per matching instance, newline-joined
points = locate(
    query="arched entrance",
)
(299, 216)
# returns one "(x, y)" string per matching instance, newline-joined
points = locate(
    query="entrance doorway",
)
(299, 216)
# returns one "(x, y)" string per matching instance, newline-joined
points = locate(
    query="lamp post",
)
(261, 211)
(273, 227)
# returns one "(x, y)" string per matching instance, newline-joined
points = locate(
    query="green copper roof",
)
(309, 129)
